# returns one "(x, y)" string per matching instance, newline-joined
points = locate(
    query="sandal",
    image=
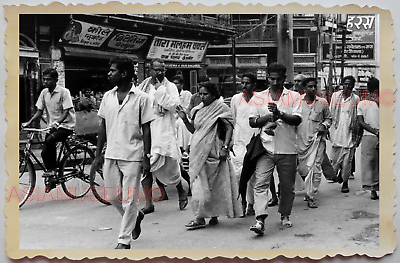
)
(183, 202)
(258, 228)
(192, 225)
(213, 221)
(285, 221)
(311, 203)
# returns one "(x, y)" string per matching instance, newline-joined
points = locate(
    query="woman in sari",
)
(213, 181)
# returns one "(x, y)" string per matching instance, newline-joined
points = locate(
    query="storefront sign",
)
(363, 75)
(170, 49)
(352, 51)
(85, 34)
(126, 40)
(362, 28)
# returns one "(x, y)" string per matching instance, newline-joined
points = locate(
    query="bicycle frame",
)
(29, 154)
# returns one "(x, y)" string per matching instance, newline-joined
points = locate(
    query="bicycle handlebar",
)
(36, 130)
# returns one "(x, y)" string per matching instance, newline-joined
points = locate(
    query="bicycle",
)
(74, 160)
(96, 176)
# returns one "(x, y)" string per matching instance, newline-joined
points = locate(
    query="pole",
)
(234, 63)
(317, 55)
(285, 43)
(343, 22)
(342, 57)
(331, 58)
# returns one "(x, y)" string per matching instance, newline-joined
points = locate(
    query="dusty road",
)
(342, 221)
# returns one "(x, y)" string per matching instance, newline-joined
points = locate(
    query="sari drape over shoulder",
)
(214, 184)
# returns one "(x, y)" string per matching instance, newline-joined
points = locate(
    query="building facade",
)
(79, 46)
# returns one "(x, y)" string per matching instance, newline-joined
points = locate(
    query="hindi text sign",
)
(86, 34)
(180, 50)
(126, 40)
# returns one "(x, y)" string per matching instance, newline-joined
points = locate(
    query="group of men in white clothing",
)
(301, 121)
(287, 130)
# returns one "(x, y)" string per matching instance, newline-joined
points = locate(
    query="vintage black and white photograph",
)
(222, 131)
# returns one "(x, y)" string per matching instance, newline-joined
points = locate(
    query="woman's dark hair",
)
(212, 89)
(373, 85)
(51, 72)
(252, 77)
(124, 64)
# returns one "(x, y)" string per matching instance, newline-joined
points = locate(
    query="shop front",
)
(86, 50)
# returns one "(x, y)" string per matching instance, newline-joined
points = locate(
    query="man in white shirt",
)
(344, 132)
(56, 101)
(282, 106)
(126, 116)
(368, 117)
(311, 134)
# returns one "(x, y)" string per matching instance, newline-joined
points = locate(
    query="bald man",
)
(298, 79)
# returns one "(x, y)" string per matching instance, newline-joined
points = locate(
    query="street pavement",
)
(342, 221)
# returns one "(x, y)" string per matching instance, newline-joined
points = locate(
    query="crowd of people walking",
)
(233, 150)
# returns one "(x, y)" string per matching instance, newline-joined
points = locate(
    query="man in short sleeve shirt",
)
(344, 132)
(282, 106)
(57, 103)
(126, 114)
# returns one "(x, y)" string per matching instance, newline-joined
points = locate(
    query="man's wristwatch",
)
(148, 155)
(225, 147)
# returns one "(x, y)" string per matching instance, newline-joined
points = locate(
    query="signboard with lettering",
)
(85, 34)
(362, 28)
(363, 75)
(180, 50)
(123, 40)
(352, 51)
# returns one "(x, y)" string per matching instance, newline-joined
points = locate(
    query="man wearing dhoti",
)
(165, 152)
(311, 134)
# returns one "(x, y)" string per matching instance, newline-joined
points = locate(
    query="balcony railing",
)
(218, 20)
(256, 33)
(245, 61)
(305, 60)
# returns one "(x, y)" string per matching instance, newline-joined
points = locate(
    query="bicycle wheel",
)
(75, 170)
(97, 185)
(27, 178)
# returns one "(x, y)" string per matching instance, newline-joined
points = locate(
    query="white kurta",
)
(164, 146)
(242, 132)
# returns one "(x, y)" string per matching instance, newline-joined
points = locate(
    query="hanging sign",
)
(85, 34)
(362, 28)
(170, 49)
(123, 40)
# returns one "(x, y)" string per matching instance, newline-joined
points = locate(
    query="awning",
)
(90, 53)
(29, 53)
